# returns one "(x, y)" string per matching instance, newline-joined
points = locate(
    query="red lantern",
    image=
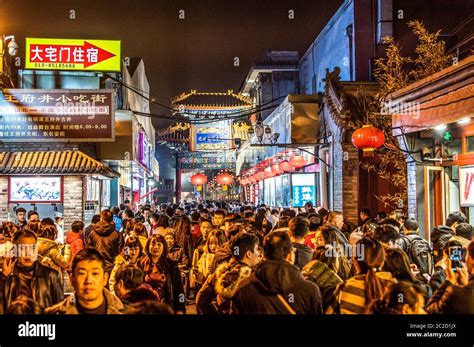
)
(260, 175)
(268, 172)
(368, 138)
(224, 179)
(285, 166)
(199, 179)
(298, 161)
(276, 169)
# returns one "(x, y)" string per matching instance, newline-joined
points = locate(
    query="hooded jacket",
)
(221, 286)
(75, 241)
(45, 286)
(105, 239)
(439, 237)
(258, 293)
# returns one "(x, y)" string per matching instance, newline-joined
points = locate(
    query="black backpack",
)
(420, 253)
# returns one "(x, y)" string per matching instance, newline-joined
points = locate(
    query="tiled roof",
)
(213, 100)
(271, 62)
(58, 162)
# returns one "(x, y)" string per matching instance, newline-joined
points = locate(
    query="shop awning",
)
(57, 162)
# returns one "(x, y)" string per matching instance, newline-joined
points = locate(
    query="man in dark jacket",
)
(27, 276)
(298, 229)
(277, 286)
(441, 234)
(105, 239)
(335, 220)
(456, 295)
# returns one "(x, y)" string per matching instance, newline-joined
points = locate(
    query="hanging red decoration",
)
(276, 169)
(268, 172)
(368, 138)
(224, 179)
(285, 166)
(298, 161)
(199, 179)
(260, 175)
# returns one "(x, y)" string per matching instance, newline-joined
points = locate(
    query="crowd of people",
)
(234, 258)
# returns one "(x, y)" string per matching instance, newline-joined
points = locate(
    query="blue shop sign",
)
(209, 138)
(303, 194)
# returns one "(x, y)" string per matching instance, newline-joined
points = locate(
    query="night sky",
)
(195, 53)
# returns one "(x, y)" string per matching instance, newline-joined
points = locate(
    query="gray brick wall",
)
(73, 200)
(3, 198)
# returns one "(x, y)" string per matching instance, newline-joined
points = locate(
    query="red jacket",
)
(75, 241)
(310, 240)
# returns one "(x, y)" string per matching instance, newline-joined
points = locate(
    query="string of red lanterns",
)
(295, 162)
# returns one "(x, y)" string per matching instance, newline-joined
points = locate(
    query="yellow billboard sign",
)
(72, 54)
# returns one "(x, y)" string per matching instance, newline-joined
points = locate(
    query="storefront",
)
(433, 119)
(69, 182)
(264, 176)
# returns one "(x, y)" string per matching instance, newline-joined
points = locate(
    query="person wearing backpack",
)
(418, 250)
(441, 234)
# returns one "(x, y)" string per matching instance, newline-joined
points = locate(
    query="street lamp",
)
(263, 132)
(12, 51)
(12, 45)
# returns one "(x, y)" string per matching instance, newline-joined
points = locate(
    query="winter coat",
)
(221, 287)
(341, 237)
(310, 240)
(50, 254)
(352, 298)
(205, 266)
(277, 287)
(438, 278)
(327, 280)
(75, 241)
(176, 254)
(439, 237)
(45, 286)
(171, 291)
(105, 239)
(452, 299)
(68, 305)
(303, 255)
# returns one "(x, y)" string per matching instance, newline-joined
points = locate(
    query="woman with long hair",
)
(163, 274)
(206, 264)
(131, 254)
(368, 285)
(184, 238)
(340, 262)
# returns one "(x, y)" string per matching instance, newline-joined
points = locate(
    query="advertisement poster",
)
(466, 186)
(35, 189)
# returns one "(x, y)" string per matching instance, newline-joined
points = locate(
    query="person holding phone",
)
(456, 294)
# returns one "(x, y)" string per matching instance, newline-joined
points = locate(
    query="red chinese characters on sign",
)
(87, 54)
